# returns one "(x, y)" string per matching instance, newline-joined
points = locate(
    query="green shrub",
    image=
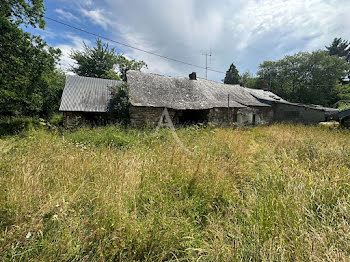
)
(56, 120)
(16, 125)
(119, 106)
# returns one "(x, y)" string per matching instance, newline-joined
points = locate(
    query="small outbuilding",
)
(284, 111)
(86, 99)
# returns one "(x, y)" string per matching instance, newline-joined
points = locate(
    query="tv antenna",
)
(206, 62)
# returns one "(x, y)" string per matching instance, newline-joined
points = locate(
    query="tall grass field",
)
(273, 193)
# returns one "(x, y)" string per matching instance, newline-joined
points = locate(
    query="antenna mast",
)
(206, 63)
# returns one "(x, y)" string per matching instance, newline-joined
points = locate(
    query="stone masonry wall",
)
(297, 114)
(147, 116)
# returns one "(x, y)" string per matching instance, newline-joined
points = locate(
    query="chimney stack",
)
(266, 86)
(193, 76)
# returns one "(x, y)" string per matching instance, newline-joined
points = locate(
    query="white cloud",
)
(178, 29)
(75, 43)
(66, 15)
(97, 16)
(245, 32)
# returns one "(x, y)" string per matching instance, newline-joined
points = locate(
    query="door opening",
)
(190, 117)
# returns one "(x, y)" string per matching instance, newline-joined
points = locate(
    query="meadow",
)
(270, 193)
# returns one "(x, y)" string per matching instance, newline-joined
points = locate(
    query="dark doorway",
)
(190, 117)
(254, 119)
(95, 119)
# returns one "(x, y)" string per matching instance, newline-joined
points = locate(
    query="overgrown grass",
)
(277, 193)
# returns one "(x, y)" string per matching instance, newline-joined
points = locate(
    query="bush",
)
(56, 120)
(119, 106)
(16, 125)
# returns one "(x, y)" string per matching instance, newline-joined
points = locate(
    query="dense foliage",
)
(30, 83)
(232, 76)
(28, 12)
(102, 62)
(120, 104)
(125, 64)
(340, 48)
(305, 77)
(94, 61)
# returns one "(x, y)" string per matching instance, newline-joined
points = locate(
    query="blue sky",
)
(246, 32)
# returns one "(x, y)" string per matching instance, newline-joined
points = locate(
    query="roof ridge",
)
(186, 78)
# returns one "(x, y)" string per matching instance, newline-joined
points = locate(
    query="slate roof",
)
(265, 95)
(271, 97)
(181, 93)
(87, 94)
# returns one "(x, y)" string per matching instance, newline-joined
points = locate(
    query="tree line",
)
(318, 77)
(31, 83)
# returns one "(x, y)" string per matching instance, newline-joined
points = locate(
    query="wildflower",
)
(28, 235)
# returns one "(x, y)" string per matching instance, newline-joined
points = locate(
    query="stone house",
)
(192, 100)
(187, 99)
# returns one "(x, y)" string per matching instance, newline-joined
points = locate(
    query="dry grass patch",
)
(277, 193)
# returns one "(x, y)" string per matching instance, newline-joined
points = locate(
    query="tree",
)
(245, 77)
(340, 48)
(124, 65)
(27, 63)
(305, 77)
(232, 77)
(344, 97)
(29, 12)
(94, 61)
(100, 61)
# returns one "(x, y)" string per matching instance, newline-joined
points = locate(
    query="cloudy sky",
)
(246, 32)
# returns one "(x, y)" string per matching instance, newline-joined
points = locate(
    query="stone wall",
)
(254, 116)
(74, 119)
(148, 116)
(222, 116)
(297, 114)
